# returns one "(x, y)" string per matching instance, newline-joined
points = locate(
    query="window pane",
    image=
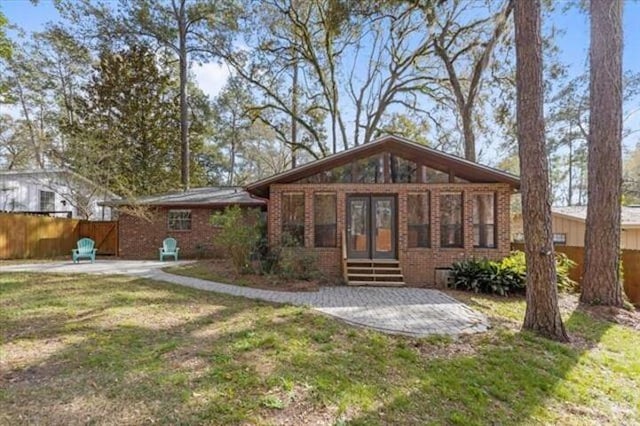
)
(560, 239)
(369, 170)
(293, 217)
(435, 176)
(179, 220)
(451, 220)
(484, 229)
(418, 220)
(402, 171)
(324, 219)
(47, 201)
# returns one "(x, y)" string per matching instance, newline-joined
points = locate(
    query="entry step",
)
(374, 272)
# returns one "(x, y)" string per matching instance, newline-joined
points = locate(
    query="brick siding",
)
(140, 238)
(418, 264)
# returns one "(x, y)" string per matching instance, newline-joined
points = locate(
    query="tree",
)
(568, 132)
(5, 50)
(232, 108)
(43, 75)
(542, 313)
(466, 56)
(631, 185)
(601, 283)
(191, 30)
(354, 64)
(127, 129)
(14, 150)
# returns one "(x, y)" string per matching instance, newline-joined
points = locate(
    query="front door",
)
(371, 225)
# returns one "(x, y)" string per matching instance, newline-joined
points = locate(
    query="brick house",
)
(183, 215)
(390, 212)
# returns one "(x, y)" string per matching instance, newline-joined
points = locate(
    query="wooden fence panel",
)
(23, 236)
(630, 264)
(104, 233)
(631, 267)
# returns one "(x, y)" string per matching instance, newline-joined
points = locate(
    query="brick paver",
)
(408, 311)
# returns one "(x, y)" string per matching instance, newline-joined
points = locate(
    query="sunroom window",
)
(451, 220)
(293, 217)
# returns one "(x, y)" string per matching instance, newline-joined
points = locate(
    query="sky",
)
(573, 42)
(23, 13)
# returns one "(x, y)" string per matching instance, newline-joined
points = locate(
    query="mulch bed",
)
(222, 270)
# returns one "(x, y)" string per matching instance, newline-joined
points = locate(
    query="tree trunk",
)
(601, 282)
(35, 142)
(234, 144)
(542, 314)
(294, 114)
(570, 195)
(184, 111)
(469, 135)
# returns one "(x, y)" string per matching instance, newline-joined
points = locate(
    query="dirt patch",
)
(297, 408)
(221, 270)
(567, 302)
(622, 316)
(616, 315)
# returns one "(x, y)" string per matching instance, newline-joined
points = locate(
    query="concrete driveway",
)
(408, 311)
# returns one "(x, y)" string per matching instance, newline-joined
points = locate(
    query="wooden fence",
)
(24, 236)
(104, 233)
(630, 265)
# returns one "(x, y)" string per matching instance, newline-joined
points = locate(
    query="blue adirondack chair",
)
(85, 250)
(169, 248)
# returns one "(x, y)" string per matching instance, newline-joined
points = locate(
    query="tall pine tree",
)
(601, 282)
(542, 314)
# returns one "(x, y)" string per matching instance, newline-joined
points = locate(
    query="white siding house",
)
(60, 192)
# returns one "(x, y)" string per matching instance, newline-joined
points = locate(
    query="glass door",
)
(384, 241)
(358, 227)
(371, 227)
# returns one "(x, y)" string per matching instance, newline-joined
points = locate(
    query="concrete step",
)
(374, 276)
(377, 283)
(370, 261)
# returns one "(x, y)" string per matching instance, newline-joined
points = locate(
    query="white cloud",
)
(211, 77)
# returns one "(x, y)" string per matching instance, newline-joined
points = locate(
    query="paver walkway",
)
(409, 311)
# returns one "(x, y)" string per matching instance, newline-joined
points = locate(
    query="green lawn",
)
(119, 350)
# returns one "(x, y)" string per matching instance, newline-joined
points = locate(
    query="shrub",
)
(563, 266)
(506, 276)
(297, 264)
(486, 276)
(286, 260)
(239, 234)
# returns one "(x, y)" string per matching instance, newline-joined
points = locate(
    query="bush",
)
(239, 235)
(506, 276)
(286, 260)
(564, 265)
(486, 276)
(297, 264)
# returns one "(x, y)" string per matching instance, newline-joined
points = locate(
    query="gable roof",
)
(213, 196)
(630, 216)
(465, 169)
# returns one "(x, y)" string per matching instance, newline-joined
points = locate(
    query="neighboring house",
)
(143, 223)
(569, 227)
(404, 209)
(58, 192)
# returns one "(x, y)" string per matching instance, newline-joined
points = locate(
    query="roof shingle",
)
(197, 197)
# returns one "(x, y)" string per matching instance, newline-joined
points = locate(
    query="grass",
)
(201, 269)
(122, 350)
